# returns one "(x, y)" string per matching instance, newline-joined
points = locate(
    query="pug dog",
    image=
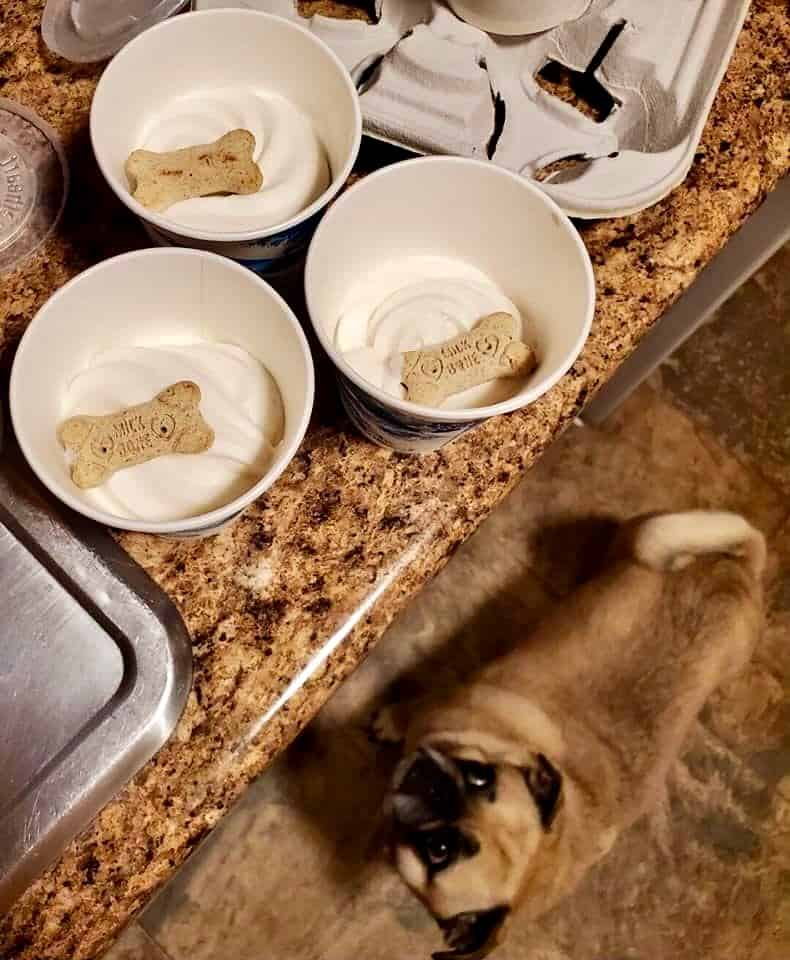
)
(513, 785)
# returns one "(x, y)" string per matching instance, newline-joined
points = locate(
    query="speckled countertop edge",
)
(346, 518)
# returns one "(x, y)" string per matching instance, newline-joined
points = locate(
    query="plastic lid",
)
(33, 182)
(88, 30)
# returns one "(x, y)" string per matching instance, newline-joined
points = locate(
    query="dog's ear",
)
(472, 935)
(427, 790)
(544, 782)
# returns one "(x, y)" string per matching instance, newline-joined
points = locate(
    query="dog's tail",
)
(671, 541)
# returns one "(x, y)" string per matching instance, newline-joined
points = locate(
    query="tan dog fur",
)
(606, 688)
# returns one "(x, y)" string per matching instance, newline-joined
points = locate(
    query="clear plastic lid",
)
(33, 182)
(85, 31)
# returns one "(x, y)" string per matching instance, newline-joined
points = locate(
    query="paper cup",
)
(473, 211)
(144, 298)
(515, 17)
(211, 49)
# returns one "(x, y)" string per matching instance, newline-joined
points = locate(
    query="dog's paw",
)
(385, 726)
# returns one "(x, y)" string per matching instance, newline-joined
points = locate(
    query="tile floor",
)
(294, 871)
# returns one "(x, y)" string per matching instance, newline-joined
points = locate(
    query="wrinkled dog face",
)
(466, 832)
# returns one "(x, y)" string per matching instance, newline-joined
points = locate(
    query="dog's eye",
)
(477, 776)
(439, 847)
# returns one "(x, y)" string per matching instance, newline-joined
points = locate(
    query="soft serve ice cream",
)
(288, 150)
(414, 303)
(240, 400)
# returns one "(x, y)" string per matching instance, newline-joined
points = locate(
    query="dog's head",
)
(466, 834)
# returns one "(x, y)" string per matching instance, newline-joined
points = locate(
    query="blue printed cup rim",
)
(438, 413)
(231, 236)
(293, 245)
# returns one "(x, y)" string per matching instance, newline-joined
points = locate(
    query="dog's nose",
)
(428, 791)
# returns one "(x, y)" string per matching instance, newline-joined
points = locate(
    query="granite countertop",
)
(350, 532)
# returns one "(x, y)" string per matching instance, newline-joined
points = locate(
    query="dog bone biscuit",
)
(170, 423)
(488, 350)
(159, 180)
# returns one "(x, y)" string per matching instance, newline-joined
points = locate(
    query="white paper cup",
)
(210, 49)
(515, 17)
(145, 298)
(473, 211)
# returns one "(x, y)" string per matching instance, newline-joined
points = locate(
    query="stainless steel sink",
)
(95, 668)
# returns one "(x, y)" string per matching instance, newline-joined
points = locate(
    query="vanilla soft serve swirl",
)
(417, 302)
(292, 159)
(240, 400)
